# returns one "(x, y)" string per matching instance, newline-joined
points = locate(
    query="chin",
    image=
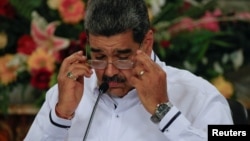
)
(118, 92)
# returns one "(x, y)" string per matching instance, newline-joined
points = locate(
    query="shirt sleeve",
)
(47, 125)
(175, 127)
(196, 105)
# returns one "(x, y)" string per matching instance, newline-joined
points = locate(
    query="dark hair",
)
(111, 17)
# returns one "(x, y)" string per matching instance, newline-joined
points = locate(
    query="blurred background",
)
(210, 38)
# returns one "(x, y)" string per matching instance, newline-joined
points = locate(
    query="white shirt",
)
(198, 102)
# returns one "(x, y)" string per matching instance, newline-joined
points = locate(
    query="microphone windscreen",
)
(104, 87)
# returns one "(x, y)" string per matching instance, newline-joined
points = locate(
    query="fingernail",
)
(139, 51)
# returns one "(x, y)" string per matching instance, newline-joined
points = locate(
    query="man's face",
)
(110, 49)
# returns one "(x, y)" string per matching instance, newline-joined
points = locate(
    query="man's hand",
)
(150, 81)
(70, 82)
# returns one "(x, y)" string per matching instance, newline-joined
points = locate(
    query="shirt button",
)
(117, 116)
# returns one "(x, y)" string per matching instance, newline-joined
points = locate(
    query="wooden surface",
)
(15, 125)
(23, 109)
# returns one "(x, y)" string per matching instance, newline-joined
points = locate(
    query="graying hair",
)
(111, 17)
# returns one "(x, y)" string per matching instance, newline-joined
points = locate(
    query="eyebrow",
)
(119, 51)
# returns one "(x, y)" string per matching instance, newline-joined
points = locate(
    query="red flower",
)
(40, 78)
(186, 24)
(72, 11)
(185, 7)
(165, 43)
(73, 47)
(26, 45)
(243, 16)
(6, 9)
(83, 38)
(209, 21)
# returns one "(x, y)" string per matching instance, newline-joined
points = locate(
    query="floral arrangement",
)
(35, 36)
(199, 36)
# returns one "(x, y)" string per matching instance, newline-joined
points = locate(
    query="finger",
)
(75, 58)
(138, 71)
(144, 60)
(74, 71)
(139, 77)
(135, 81)
(79, 70)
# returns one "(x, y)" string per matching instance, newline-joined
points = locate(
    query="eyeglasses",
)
(102, 64)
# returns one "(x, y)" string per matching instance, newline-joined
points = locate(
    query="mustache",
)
(115, 78)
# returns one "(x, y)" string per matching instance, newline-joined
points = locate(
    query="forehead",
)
(119, 41)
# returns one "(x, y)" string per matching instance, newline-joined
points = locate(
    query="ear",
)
(147, 44)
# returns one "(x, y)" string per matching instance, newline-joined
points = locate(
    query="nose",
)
(111, 69)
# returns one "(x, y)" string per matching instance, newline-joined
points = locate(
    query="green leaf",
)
(221, 43)
(162, 52)
(4, 99)
(168, 11)
(26, 9)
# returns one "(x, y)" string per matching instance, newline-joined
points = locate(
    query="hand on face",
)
(150, 81)
(70, 82)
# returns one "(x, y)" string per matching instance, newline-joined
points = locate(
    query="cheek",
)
(127, 73)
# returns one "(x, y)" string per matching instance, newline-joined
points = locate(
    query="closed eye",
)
(123, 57)
(100, 57)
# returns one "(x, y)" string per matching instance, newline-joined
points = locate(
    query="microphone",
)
(102, 89)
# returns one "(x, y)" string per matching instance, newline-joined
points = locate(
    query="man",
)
(146, 100)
